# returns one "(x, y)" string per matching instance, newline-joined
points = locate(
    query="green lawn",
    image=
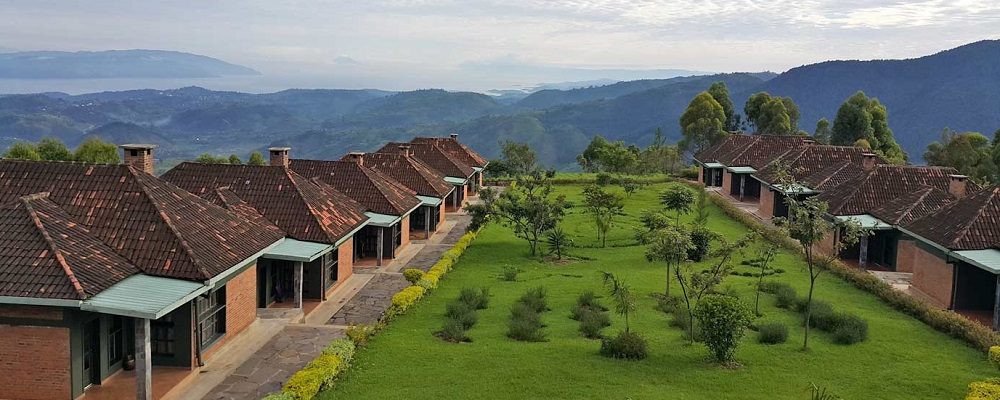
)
(902, 358)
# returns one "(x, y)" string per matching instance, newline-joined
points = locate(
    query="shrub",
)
(604, 178)
(823, 317)
(682, 321)
(404, 299)
(535, 298)
(360, 334)
(477, 299)
(591, 323)
(724, 320)
(413, 275)
(984, 390)
(279, 396)
(509, 273)
(525, 324)
(771, 286)
(321, 372)
(689, 173)
(343, 348)
(701, 238)
(784, 296)
(667, 304)
(994, 356)
(851, 329)
(461, 312)
(772, 333)
(626, 345)
(453, 331)
(589, 299)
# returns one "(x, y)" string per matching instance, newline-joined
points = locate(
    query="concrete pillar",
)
(297, 284)
(454, 198)
(863, 258)
(427, 222)
(380, 247)
(143, 361)
(743, 181)
(996, 306)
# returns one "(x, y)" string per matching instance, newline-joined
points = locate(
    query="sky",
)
(483, 44)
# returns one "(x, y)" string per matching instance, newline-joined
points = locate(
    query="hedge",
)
(319, 374)
(994, 356)
(984, 390)
(948, 322)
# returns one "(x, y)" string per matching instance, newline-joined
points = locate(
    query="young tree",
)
(724, 320)
(822, 134)
(720, 93)
(604, 207)
(702, 124)
(97, 151)
(53, 149)
(530, 209)
(235, 160)
(482, 212)
(808, 224)
(701, 209)
(652, 222)
(659, 157)
(23, 151)
(671, 246)
(764, 252)
(863, 118)
(256, 158)
(621, 294)
(695, 284)
(557, 241)
(677, 198)
(519, 158)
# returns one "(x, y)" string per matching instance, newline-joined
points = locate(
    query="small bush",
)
(770, 286)
(784, 296)
(525, 324)
(279, 396)
(589, 299)
(667, 304)
(994, 356)
(772, 333)
(823, 317)
(682, 321)
(689, 173)
(604, 178)
(724, 320)
(851, 329)
(360, 334)
(535, 298)
(453, 331)
(461, 312)
(591, 323)
(477, 299)
(413, 275)
(626, 345)
(509, 273)
(984, 390)
(404, 299)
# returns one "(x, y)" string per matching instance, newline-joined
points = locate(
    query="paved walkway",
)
(366, 295)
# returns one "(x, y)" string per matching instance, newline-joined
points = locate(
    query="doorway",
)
(91, 353)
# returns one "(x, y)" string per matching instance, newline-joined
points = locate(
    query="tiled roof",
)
(724, 148)
(225, 198)
(160, 228)
(871, 189)
(434, 157)
(411, 172)
(761, 150)
(824, 164)
(455, 148)
(911, 206)
(45, 254)
(303, 208)
(972, 223)
(377, 192)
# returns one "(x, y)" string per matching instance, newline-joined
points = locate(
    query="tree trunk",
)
(667, 292)
(812, 284)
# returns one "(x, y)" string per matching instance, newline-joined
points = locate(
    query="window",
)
(331, 260)
(116, 340)
(162, 336)
(211, 317)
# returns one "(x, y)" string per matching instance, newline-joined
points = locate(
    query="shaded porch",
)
(424, 220)
(711, 174)
(975, 292)
(121, 385)
(742, 185)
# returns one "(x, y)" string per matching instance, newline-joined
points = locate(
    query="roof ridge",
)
(312, 210)
(26, 200)
(979, 212)
(166, 219)
(927, 190)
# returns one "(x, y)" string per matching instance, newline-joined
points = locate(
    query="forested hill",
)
(959, 88)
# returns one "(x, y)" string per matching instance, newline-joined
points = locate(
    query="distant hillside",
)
(114, 64)
(958, 88)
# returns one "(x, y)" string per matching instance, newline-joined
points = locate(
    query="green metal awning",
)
(796, 189)
(298, 250)
(429, 201)
(742, 170)
(867, 221)
(144, 296)
(714, 165)
(988, 259)
(455, 181)
(477, 169)
(382, 220)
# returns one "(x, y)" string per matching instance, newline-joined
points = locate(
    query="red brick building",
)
(462, 153)
(456, 172)
(429, 185)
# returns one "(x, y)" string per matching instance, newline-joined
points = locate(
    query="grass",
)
(902, 358)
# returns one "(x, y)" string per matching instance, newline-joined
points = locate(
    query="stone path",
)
(265, 371)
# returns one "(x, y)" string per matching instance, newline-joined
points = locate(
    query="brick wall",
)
(727, 181)
(825, 246)
(345, 260)
(34, 362)
(701, 175)
(241, 307)
(905, 255)
(931, 274)
(404, 233)
(766, 202)
(32, 312)
(441, 213)
(465, 194)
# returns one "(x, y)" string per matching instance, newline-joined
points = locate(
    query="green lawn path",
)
(902, 357)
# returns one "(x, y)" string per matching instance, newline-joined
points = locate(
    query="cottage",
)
(456, 172)
(452, 147)
(427, 183)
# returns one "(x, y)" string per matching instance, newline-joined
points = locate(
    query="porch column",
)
(427, 223)
(380, 246)
(743, 179)
(143, 361)
(297, 284)
(996, 306)
(863, 258)
(454, 199)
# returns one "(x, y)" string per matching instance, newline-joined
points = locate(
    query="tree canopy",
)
(256, 158)
(206, 158)
(702, 124)
(23, 151)
(720, 92)
(970, 153)
(772, 115)
(604, 156)
(54, 150)
(866, 118)
(822, 133)
(95, 150)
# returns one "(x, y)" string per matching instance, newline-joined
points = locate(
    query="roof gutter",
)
(351, 233)
(229, 273)
(33, 301)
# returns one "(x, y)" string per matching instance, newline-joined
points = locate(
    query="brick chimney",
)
(870, 159)
(957, 185)
(139, 156)
(279, 156)
(454, 136)
(357, 157)
(405, 150)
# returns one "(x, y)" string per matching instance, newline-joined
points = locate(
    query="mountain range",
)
(114, 64)
(958, 88)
